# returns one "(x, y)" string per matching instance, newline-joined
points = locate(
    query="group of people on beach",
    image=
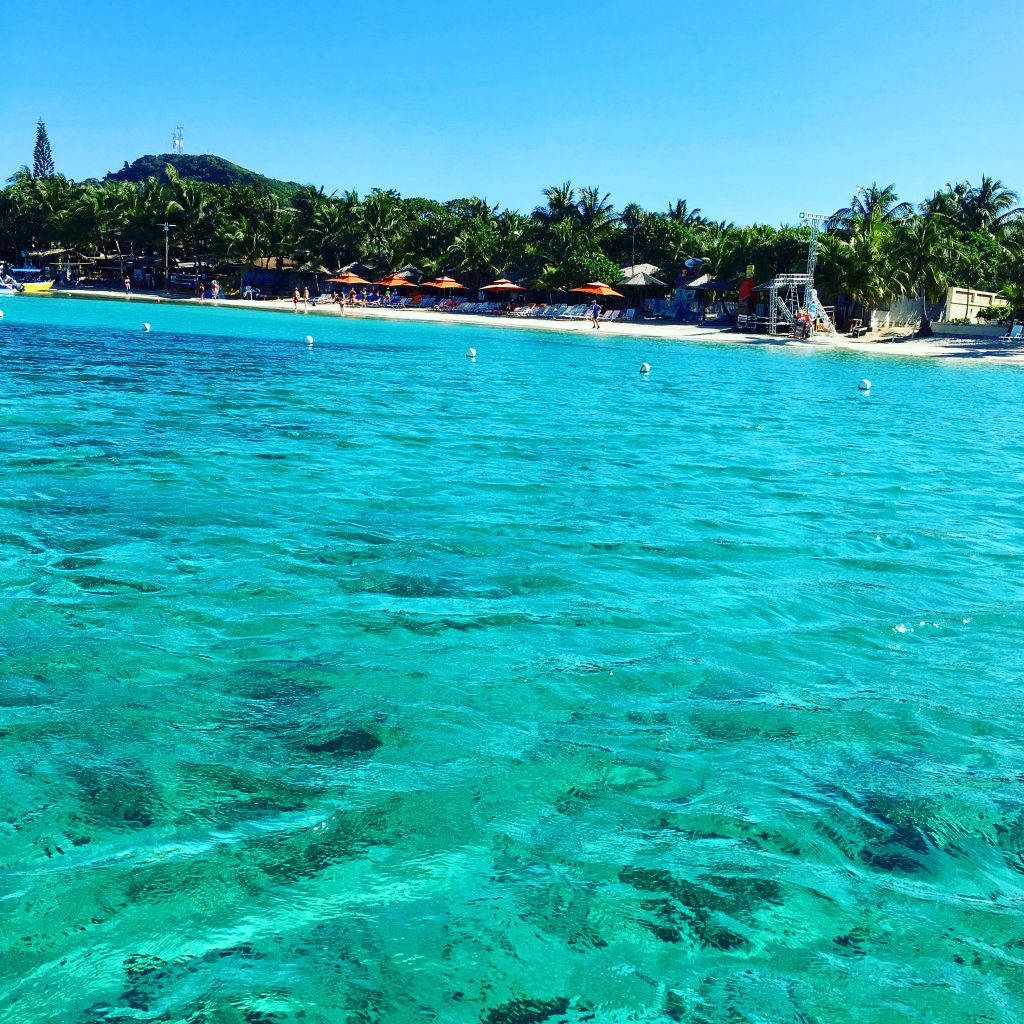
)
(351, 297)
(215, 289)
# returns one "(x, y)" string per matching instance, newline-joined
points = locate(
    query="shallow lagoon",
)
(365, 682)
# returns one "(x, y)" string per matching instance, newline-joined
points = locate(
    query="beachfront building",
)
(959, 304)
(967, 303)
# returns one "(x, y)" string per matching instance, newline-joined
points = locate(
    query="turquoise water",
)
(364, 683)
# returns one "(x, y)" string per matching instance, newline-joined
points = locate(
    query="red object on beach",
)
(747, 287)
(598, 288)
(443, 283)
(347, 279)
(503, 284)
(396, 281)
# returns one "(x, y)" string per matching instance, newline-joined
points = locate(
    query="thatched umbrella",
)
(643, 280)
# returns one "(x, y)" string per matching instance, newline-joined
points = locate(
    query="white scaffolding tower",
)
(788, 292)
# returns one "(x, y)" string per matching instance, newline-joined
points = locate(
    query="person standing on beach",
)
(127, 285)
(305, 296)
(200, 291)
(215, 289)
(295, 299)
(595, 314)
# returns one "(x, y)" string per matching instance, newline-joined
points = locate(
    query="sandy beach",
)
(882, 344)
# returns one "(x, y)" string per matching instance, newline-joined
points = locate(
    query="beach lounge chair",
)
(629, 315)
(613, 315)
(1015, 333)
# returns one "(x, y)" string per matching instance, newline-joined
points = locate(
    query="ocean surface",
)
(363, 682)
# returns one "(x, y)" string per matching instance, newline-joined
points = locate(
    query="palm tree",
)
(682, 214)
(868, 279)
(247, 241)
(633, 218)
(992, 206)
(193, 207)
(514, 250)
(561, 205)
(868, 206)
(920, 254)
(384, 227)
(721, 250)
(595, 214)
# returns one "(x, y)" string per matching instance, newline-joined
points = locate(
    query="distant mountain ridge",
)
(202, 167)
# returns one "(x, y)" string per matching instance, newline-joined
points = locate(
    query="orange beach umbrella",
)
(443, 283)
(598, 288)
(396, 281)
(347, 279)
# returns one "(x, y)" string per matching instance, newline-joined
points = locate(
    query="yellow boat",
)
(24, 280)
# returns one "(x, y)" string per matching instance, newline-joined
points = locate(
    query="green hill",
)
(202, 167)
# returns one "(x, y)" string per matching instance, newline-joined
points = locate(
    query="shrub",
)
(995, 314)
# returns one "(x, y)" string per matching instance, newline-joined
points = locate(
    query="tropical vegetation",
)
(214, 170)
(874, 249)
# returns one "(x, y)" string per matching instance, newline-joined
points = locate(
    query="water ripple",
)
(363, 683)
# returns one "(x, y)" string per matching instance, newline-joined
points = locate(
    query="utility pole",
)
(167, 262)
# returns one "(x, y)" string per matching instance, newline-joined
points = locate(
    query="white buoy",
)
(145, 327)
(1, 314)
(309, 339)
(645, 367)
(471, 353)
(864, 385)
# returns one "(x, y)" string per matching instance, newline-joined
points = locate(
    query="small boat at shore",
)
(28, 283)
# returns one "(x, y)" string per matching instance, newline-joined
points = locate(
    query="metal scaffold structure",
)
(788, 293)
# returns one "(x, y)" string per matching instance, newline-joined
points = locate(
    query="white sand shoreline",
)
(986, 350)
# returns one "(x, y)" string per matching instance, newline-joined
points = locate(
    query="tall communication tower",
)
(178, 141)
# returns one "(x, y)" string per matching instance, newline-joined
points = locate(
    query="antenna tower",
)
(178, 141)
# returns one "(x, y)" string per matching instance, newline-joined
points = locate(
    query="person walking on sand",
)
(595, 315)
(215, 289)
(305, 296)
(200, 291)
(127, 285)
(295, 299)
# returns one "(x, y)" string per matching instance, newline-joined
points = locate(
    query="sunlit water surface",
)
(364, 682)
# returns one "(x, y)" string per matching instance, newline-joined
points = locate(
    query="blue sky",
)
(749, 117)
